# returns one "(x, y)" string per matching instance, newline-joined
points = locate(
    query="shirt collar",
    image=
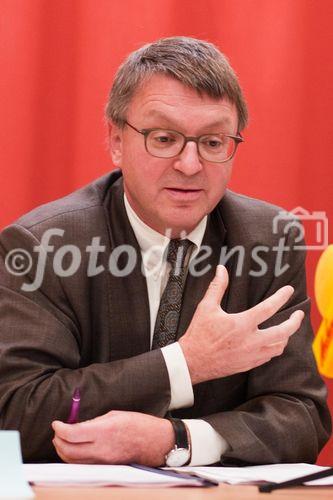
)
(152, 243)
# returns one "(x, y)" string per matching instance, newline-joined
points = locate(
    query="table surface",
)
(223, 491)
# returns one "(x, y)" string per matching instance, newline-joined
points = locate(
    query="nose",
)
(188, 161)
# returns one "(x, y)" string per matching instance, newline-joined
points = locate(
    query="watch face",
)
(177, 457)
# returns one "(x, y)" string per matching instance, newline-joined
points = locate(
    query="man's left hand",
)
(118, 437)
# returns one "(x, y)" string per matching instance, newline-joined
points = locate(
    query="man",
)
(125, 300)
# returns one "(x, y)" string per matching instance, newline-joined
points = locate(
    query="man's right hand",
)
(218, 344)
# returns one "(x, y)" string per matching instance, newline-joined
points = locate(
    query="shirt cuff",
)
(207, 445)
(180, 381)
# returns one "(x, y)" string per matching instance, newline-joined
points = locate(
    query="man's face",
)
(172, 193)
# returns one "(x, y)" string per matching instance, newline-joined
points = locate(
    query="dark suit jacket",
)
(94, 333)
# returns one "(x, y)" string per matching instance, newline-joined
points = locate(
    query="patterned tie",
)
(167, 319)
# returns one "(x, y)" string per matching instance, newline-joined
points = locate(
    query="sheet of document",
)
(276, 473)
(123, 475)
(99, 475)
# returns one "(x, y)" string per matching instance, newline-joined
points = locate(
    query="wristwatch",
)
(181, 453)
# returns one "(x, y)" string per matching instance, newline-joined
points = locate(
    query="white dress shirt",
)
(207, 444)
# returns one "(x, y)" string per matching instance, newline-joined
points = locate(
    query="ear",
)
(116, 144)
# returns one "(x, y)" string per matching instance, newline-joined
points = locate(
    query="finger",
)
(273, 350)
(60, 455)
(83, 432)
(70, 452)
(217, 286)
(266, 353)
(268, 307)
(281, 333)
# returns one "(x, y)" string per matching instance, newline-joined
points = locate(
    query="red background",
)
(57, 61)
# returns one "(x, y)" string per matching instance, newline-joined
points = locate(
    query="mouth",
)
(184, 194)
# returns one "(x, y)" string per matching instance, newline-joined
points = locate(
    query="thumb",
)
(217, 286)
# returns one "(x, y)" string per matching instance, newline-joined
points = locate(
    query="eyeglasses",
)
(216, 148)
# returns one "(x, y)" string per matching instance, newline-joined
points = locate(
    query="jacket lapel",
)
(129, 322)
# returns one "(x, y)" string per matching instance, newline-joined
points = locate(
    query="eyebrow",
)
(166, 119)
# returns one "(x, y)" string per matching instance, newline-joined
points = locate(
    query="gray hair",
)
(195, 63)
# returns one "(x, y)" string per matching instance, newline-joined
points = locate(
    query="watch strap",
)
(180, 432)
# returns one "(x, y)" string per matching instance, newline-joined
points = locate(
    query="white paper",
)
(99, 475)
(12, 483)
(275, 473)
(123, 475)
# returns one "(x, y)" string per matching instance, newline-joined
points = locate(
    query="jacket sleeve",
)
(284, 417)
(40, 358)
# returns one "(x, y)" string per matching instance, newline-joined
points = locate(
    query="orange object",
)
(323, 343)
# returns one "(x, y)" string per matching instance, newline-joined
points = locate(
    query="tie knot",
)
(177, 251)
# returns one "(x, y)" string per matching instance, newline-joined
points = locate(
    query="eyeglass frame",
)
(146, 131)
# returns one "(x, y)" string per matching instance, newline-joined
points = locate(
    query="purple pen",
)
(73, 417)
